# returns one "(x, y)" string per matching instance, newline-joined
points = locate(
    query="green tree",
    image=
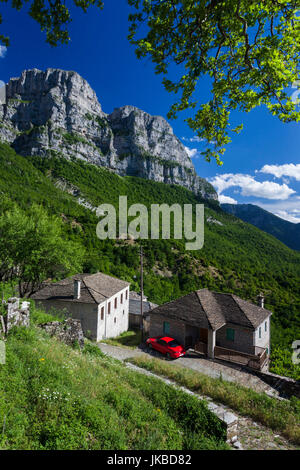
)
(248, 49)
(52, 16)
(33, 248)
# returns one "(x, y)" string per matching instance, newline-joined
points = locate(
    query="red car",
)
(166, 345)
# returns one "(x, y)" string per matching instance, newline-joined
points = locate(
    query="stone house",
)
(100, 301)
(221, 326)
(135, 309)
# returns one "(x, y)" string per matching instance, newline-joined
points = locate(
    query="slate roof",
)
(136, 296)
(212, 310)
(95, 288)
(135, 306)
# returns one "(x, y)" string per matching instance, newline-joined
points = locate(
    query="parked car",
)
(166, 345)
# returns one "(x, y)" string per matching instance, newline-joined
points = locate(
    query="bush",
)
(93, 350)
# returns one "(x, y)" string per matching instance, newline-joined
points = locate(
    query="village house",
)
(135, 309)
(221, 326)
(100, 301)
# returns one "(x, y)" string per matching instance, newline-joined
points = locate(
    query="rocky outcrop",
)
(16, 316)
(56, 113)
(69, 331)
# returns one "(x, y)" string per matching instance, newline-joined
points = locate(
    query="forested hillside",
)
(236, 256)
(287, 232)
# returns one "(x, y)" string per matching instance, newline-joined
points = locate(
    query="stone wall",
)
(177, 328)
(69, 331)
(86, 313)
(16, 315)
(134, 320)
(243, 339)
(286, 386)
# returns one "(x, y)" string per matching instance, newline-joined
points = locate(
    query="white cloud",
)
(288, 210)
(289, 169)
(3, 50)
(288, 216)
(192, 153)
(226, 199)
(250, 187)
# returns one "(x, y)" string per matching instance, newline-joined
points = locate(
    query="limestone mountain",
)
(56, 113)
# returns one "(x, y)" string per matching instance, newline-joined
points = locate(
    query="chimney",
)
(261, 300)
(77, 285)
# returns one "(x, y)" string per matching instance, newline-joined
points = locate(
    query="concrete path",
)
(200, 364)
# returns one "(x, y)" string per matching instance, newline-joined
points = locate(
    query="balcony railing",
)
(255, 361)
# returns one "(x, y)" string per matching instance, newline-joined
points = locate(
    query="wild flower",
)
(54, 395)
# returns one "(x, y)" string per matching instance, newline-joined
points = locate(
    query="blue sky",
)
(261, 165)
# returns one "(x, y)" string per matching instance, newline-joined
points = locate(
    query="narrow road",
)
(200, 364)
(251, 435)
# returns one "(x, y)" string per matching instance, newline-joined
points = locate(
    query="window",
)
(230, 334)
(123, 312)
(108, 307)
(266, 325)
(115, 320)
(166, 328)
(116, 302)
(102, 313)
(121, 298)
(126, 294)
(259, 332)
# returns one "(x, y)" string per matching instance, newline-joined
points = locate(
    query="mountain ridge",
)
(285, 231)
(56, 112)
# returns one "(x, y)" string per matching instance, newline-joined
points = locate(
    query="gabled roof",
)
(212, 310)
(95, 288)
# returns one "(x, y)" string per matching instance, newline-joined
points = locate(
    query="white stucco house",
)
(100, 301)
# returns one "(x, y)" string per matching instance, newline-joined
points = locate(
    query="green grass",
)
(280, 416)
(55, 397)
(130, 339)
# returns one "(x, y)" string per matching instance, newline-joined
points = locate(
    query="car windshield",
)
(173, 344)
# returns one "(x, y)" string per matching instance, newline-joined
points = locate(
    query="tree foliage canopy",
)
(53, 16)
(249, 49)
(32, 248)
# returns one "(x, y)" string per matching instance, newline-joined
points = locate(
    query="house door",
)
(203, 335)
(191, 336)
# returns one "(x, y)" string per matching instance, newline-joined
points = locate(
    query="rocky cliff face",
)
(57, 113)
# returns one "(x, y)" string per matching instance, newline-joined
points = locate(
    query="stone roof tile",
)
(95, 288)
(212, 310)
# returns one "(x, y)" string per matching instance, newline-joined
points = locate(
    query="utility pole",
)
(142, 295)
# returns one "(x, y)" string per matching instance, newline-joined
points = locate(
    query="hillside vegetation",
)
(54, 397)
(285, 231)
(281, 416)
(236, 256)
